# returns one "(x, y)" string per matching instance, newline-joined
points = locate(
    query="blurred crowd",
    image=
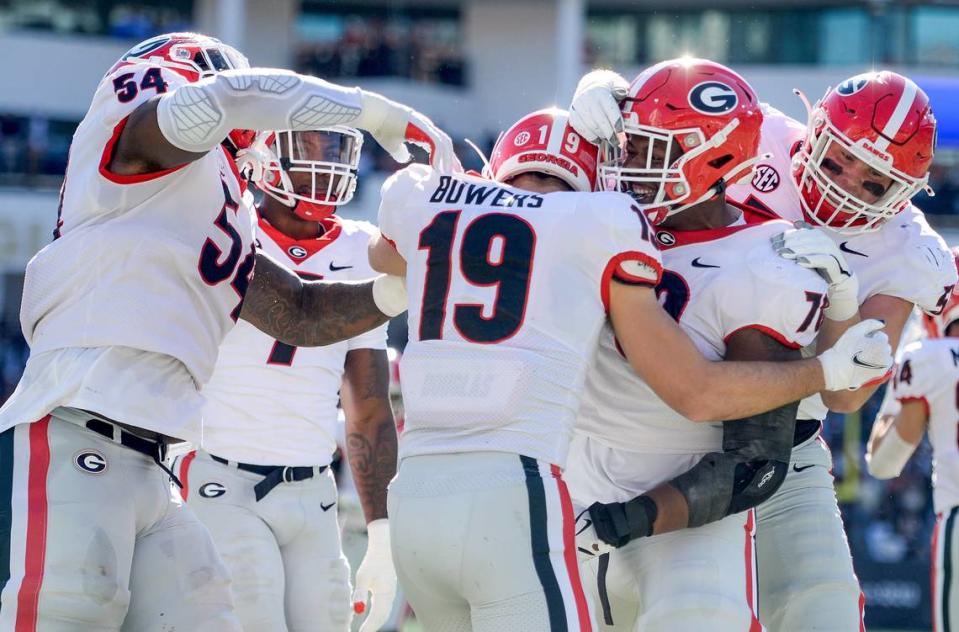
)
(425, 50)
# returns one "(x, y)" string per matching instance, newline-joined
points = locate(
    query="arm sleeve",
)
(773, 295)
(925, 271)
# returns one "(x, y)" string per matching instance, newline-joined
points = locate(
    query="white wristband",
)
(843, 300)
(389, 294)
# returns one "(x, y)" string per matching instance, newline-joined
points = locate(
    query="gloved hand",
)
(812, 248)
(861, 355)
(253, 161)
(617, 524)
(393, 125)
(595, 112)
(376, 577)
(588, 544)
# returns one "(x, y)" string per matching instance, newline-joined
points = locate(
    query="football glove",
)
(588, 543)
(861, 356)
(376, 577)
(814, 249)
(595, 112)
(393, 125)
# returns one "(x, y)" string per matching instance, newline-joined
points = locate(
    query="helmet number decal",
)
(127, 90)
(713, 97)
(572, 143)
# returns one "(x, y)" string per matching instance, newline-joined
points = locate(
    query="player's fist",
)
(814, 249)
(595, 112)
(861, 356)
(588, 544)
(376, 578)
(393, 125)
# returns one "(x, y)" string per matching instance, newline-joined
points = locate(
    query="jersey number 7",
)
(496, 250)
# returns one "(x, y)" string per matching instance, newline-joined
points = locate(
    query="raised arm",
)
(181, 125)
(701, 390)
(317, 313)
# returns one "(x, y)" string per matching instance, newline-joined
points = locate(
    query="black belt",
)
(805, 430)
(156, 450)
(273, 475)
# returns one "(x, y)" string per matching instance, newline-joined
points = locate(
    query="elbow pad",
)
(198, 116)
(890, 457)
(750, 469)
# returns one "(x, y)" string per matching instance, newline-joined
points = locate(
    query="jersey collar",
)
(666, 238)
(292, 248)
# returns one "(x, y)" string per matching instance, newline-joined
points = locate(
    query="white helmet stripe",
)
(909, 92)
(555, 143)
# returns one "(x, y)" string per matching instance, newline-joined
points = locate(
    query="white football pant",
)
(806, 577)
(485, 541)
(945, 551)
(283, 552)
(92, 537)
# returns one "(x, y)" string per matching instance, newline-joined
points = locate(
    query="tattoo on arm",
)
(371, 432)
(307, 313)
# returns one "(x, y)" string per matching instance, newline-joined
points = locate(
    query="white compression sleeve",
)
(890, 457)
(198, 116)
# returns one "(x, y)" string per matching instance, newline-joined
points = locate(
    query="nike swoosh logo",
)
(846, 248)
(699, 264)
(327, 507)
(334, 268)
(796, 468)
(586, 523)
(868, 365)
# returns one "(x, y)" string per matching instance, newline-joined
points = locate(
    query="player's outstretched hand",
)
(376, 578)
(595, 112)
(393, 125)
(588, 543)
(814, 249)
(861, 356)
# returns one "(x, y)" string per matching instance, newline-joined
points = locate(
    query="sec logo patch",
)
(90, 462)
(765, 179)
(212, 490)
(521, 139)
(297, 252)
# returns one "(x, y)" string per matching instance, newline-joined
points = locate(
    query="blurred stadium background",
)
(474, 66)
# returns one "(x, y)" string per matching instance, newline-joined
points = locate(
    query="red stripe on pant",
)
(932, 568)
(569, 551)
(754, 624)
(862, 611)
(28, 598)
(185, 473)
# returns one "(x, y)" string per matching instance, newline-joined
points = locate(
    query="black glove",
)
(617, 524)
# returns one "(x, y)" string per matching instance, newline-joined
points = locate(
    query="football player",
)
(511, 280)
(270, 403)
(737, 299)
(124, 313)
(850, 171)
(923, 399)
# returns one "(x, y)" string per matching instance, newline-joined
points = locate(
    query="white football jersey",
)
(157, 263)
(499, 343)
(904, 257)
(274, 404)
(929, 372)
(715, 283)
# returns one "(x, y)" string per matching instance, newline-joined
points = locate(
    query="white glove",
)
(595, 112)
(860, 356)
(588, 544)
(393, 125)
(389, 294)
(812, 248)
(252, 161)
(376, 577)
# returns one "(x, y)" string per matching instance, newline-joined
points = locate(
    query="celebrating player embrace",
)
(152, 264)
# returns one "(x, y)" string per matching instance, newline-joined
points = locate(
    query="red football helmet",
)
(885, 121)
(937, 325)
(193, 56)
(703, 108)
(544, 142)
(327, 159)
